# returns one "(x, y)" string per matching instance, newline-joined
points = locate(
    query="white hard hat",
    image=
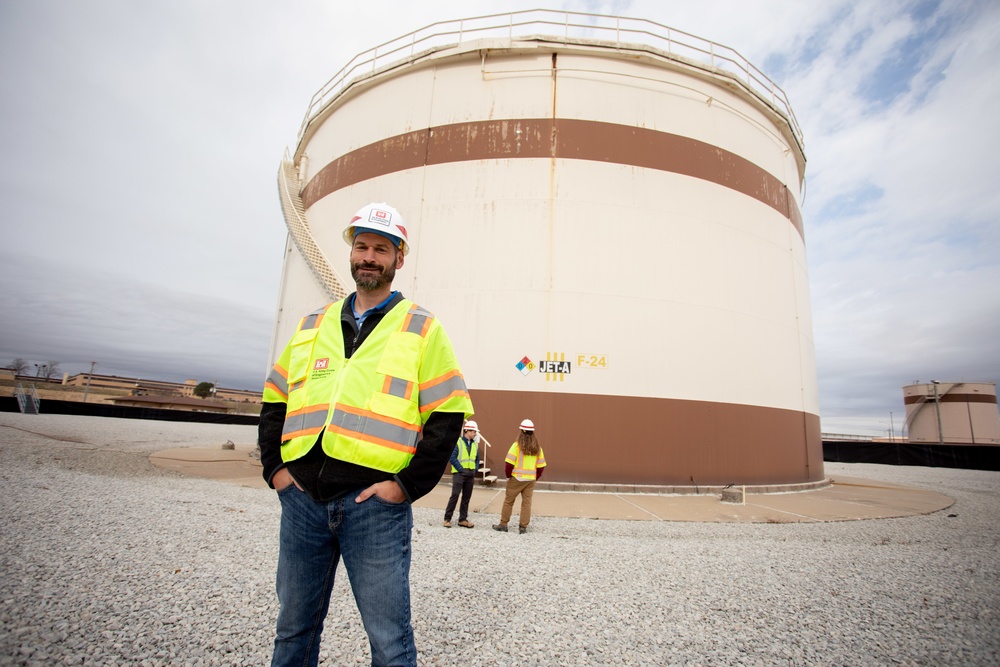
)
(527, 425)
(379, 219)
(471, 426)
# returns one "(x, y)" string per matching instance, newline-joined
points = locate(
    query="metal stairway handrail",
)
(298, 229)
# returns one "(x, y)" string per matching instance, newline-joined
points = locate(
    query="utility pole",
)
(87, 388)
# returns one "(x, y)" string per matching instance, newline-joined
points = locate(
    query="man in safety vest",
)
(464, 464)
(361, 413)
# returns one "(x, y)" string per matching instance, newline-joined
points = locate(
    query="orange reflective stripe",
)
(397, 387)
(270, 385)
(312, 320)
(307, 421)
(521, 470)
(435, 392)
(277, 380)
(319, 407)
(287, 436)
(417, 321)
(374, 428)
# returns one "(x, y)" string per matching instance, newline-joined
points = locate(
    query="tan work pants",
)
(514, 489)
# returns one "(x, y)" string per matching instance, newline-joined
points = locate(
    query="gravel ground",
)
(108, 560)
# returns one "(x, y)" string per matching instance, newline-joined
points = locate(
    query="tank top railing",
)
(575, 27)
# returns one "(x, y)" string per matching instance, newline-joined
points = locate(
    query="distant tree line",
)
(48, 370)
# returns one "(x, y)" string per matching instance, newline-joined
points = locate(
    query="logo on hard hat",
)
(381, 217)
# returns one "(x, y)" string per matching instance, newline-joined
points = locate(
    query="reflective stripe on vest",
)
(376, 429)
(371, 405)
(525, 467)
(440, 389)
(466, 455)
(307, 421)
(276, 385)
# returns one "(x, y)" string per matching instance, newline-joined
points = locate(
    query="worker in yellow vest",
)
(361, 413)
(524, 464)
(464, 464)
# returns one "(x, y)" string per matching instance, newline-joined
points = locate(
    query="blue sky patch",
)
(894, 76)
(852, 203)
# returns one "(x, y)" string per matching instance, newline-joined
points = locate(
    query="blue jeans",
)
(373, 538)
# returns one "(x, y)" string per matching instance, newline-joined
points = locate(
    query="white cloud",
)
(131, 327)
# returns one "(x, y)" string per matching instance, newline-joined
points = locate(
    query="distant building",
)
(141, 387)
(952, 413)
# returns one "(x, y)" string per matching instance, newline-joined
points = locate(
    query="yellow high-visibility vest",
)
(466, 455)
(524, 466)
(372, 406)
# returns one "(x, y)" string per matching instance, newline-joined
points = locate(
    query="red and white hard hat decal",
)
(380, 218)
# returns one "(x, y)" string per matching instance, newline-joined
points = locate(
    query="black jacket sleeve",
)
(272, 420)
(440, 434)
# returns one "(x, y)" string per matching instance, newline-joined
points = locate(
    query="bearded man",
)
(361, 412)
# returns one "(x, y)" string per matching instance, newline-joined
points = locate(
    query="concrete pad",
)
(229, 465)
(844, 499)
(574, 505)
(438, 498)
(706, 508)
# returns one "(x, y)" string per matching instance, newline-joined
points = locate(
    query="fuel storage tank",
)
(604, 214)
(952, 413)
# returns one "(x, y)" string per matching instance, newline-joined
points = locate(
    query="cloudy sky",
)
(140, 226)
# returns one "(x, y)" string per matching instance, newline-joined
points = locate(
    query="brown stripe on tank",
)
(669, 442)
(560, 138)
(952, 397)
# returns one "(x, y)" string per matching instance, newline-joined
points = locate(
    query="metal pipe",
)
(937, 406)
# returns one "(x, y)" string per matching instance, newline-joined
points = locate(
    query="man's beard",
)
(372, 283)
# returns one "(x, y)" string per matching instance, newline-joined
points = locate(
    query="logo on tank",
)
(555, 367)
(526, 365)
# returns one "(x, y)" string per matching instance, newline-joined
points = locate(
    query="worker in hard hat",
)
(464, 464)
(361, 413)
(524, 464)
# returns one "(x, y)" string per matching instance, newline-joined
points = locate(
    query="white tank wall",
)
(745, 297)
